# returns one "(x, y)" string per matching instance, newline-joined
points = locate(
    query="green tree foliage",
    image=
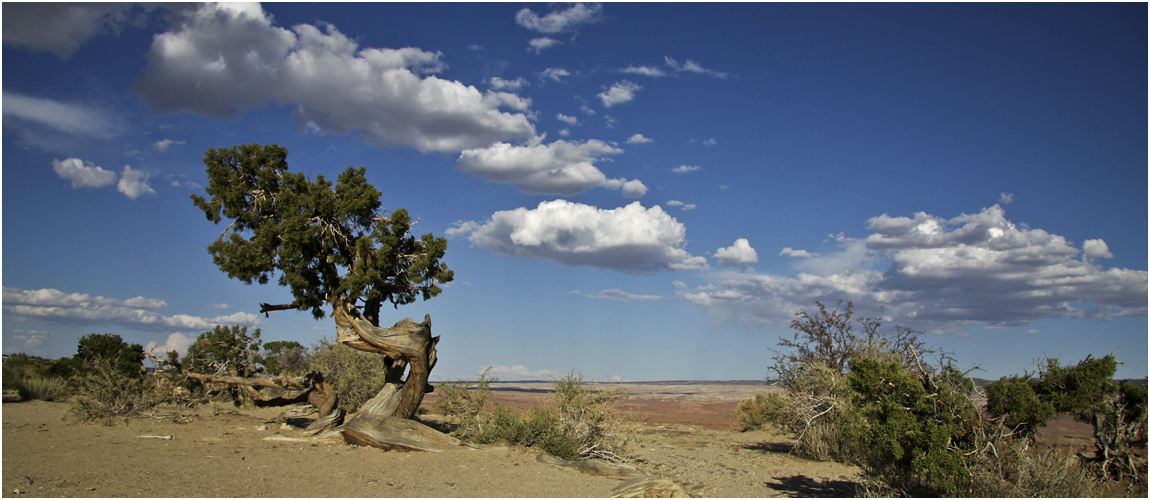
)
(128, 358)
(912, 425)
(285, 358)
(1014, 398)
(225, 351)
(329, 244)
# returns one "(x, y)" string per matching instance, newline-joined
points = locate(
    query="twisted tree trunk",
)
(406, 346)
(383, 421)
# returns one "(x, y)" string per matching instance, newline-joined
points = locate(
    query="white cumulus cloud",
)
(560, 167)
(619, 93)
(83, 174)
(134, 183)
(944, 273)
(639, 139)
(630, 239)
(223, 59)
(739, 254)
(178, 342)
(570, 120)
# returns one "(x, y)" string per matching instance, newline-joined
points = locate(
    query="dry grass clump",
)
(580, 422)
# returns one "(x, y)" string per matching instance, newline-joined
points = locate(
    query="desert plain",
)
(685, 433)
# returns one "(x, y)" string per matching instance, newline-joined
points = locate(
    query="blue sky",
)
(635, 191)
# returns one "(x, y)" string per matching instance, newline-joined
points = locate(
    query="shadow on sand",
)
(805, 487)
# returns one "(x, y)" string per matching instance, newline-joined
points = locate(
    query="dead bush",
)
(106, 392)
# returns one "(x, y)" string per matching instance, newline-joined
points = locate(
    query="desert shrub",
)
(464, 402)
(285, 358)
(579, 423)
(1017, 470)
(228, 351)
(760, 409)
(356, 376)
(106, 392)
(44, 388)
(32, 378)
(912, 427)
(1086, 390)
(812, 366)
(225, 351)
(1014, 398)
(588, 414)
(538, 427)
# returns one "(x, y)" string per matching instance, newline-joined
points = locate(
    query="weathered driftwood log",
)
(391, 433)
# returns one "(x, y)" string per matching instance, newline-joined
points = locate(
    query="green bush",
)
(538, 427)
(760, 409)
(911, 427)
(1014, 398)
(356, 376)
(127, 358)
(285, 358)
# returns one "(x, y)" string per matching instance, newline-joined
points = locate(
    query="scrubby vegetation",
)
(356, 376)
(863, 397)
(579, 423)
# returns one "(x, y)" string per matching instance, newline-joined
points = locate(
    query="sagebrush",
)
(579, 422)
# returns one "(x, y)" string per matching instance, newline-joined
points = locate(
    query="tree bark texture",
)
(406, 346)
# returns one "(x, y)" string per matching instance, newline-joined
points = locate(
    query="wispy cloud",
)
(163, 144)
(692, 67)
(683, 169)
(61, 28)
(53, 306)
(560, 21)
(555, 74)
(538, 45)
(618, 295)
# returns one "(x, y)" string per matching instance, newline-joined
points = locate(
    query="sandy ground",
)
(220, 451)
(684, 432)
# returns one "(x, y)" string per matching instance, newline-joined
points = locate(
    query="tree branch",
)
(266, 308)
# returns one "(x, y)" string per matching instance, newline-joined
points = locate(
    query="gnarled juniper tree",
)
(336, 250)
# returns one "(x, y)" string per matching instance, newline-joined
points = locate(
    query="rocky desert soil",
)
(685, 433)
